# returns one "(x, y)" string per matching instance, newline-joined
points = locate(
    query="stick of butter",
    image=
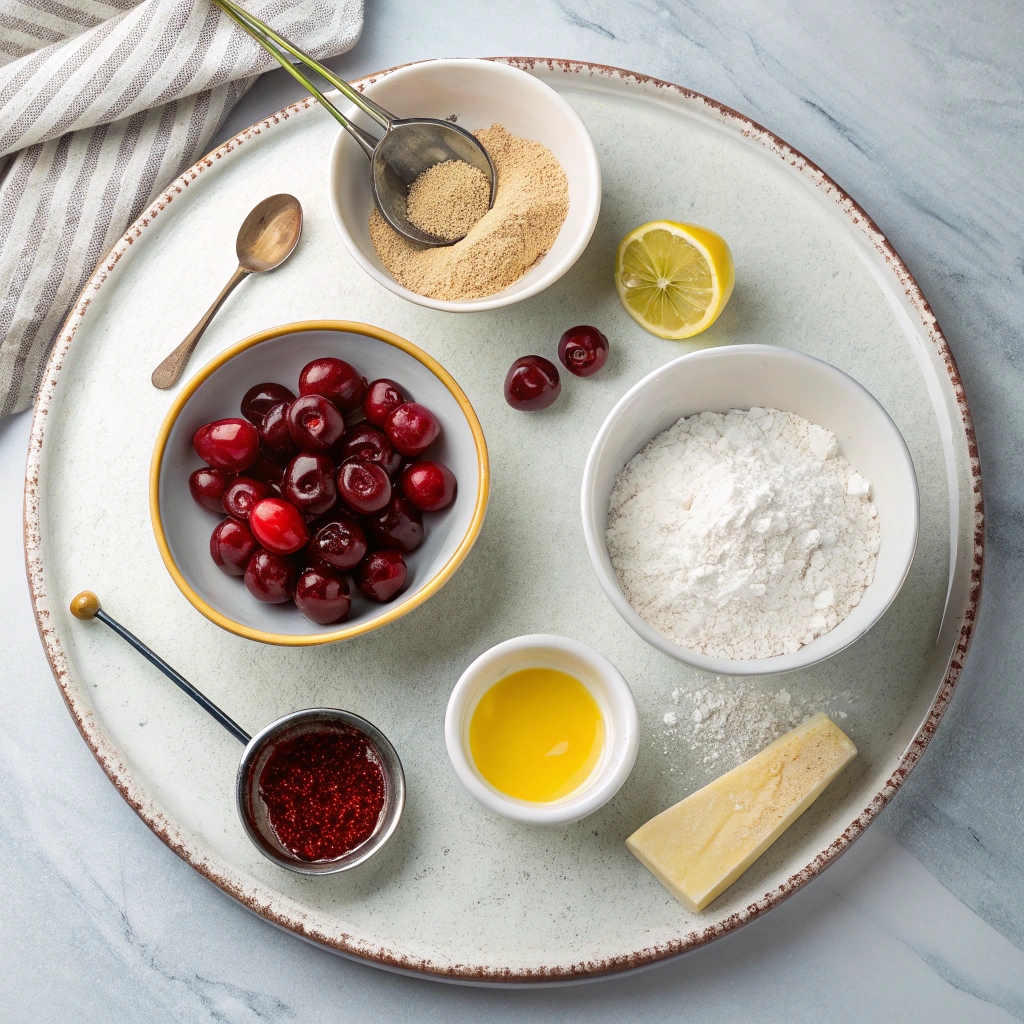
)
(699, 847)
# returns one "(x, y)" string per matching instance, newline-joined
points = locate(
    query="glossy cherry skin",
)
(381, 397)
(583, 350)
(278, 525)
(430, 486)
(369, 444)
(363, 486)
(270, 577)
(258, 399)
(231, 444)
(383, 575)
(411, 428)
(532, 383)
(322, 595)
(314, 423)
(232, 545)
(275, 437)
(399, 525)
(340, 543)
(242, 493)
(268, 471)
(309, 484)
(207, 486)
(333, 379)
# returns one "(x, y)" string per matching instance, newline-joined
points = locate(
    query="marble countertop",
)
(917, 110)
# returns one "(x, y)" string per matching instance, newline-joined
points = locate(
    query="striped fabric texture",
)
(102, 104)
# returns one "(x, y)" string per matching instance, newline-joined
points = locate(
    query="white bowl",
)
(738, 377)
(478, 93)
(183, 529)
(609, 689)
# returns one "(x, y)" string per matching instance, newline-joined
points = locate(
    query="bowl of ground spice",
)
(546, 201)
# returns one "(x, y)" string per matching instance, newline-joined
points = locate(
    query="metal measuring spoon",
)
(408, 147)
(267, 238)
(258, 748)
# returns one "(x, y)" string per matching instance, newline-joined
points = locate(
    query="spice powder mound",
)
(446, 200)
(530, 206)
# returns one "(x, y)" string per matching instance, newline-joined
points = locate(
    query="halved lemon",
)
(674, 279)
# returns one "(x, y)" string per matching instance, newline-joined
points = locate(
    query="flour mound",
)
(743, 535)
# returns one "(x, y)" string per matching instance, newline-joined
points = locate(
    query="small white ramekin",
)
(609, 689)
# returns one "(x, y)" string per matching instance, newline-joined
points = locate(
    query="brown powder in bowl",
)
(529, 209)
(446, 200)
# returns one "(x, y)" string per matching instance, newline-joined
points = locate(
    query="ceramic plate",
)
(458, 893)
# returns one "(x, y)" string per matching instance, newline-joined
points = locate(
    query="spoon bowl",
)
(269, 233)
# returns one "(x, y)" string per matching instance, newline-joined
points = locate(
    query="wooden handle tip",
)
(85, 605)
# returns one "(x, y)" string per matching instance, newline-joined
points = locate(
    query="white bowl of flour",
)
(750, 510)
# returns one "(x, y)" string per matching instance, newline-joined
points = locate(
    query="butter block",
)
(701, 845)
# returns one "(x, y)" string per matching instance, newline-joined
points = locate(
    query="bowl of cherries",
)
(317, 481)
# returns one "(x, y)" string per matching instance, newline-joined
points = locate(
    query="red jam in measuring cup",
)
(324, 792)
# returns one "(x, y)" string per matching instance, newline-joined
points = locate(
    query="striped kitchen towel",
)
(102, 104)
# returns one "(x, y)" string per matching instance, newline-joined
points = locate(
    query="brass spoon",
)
(267, 237)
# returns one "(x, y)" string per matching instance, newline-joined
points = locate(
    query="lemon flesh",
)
(674, 279)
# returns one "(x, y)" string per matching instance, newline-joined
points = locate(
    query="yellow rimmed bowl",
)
(183, 529)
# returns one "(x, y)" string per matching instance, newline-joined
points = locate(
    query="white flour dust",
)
(742, 535)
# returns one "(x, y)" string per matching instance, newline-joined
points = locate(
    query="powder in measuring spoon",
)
(530, 206)
(446, 200)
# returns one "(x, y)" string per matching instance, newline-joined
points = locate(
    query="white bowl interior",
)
(187, 527)
(608, 688)
(477, 94)
(738, 377)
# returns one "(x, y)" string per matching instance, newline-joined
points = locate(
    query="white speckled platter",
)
(457, 893)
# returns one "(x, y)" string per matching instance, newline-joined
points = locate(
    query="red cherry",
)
(532, 383)
(208, 486)
(275, 437)
(258, 399)
(381, 397)
(227, 444)
(430, 486)
(364, 487)
(322, 595)
(278, 526)
(382, 575)
(231, 546)
(314, 423)
(399, 525)
(411, 428)
(340, 542)
(309, 484)
(242, 494)
(368, 444)
(334, 379)
(268, 471)
(270, 577)
(583, 350)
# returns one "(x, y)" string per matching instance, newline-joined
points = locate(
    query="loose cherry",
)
(583, 350)
(381, 397)
(369, 444)
(382, 575)
(309, 483)
(532, 383)
(242, 494)
(411, 428)
(399, 525)
(322, 595)
(232, 546)
(270, 577)
(430, 486)
(231, 444)
(333, 379)
(364, 487)
(314, 423)
(258, 399)
(275, 437)
(340, 542)
(207, 486)
(278, 526)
